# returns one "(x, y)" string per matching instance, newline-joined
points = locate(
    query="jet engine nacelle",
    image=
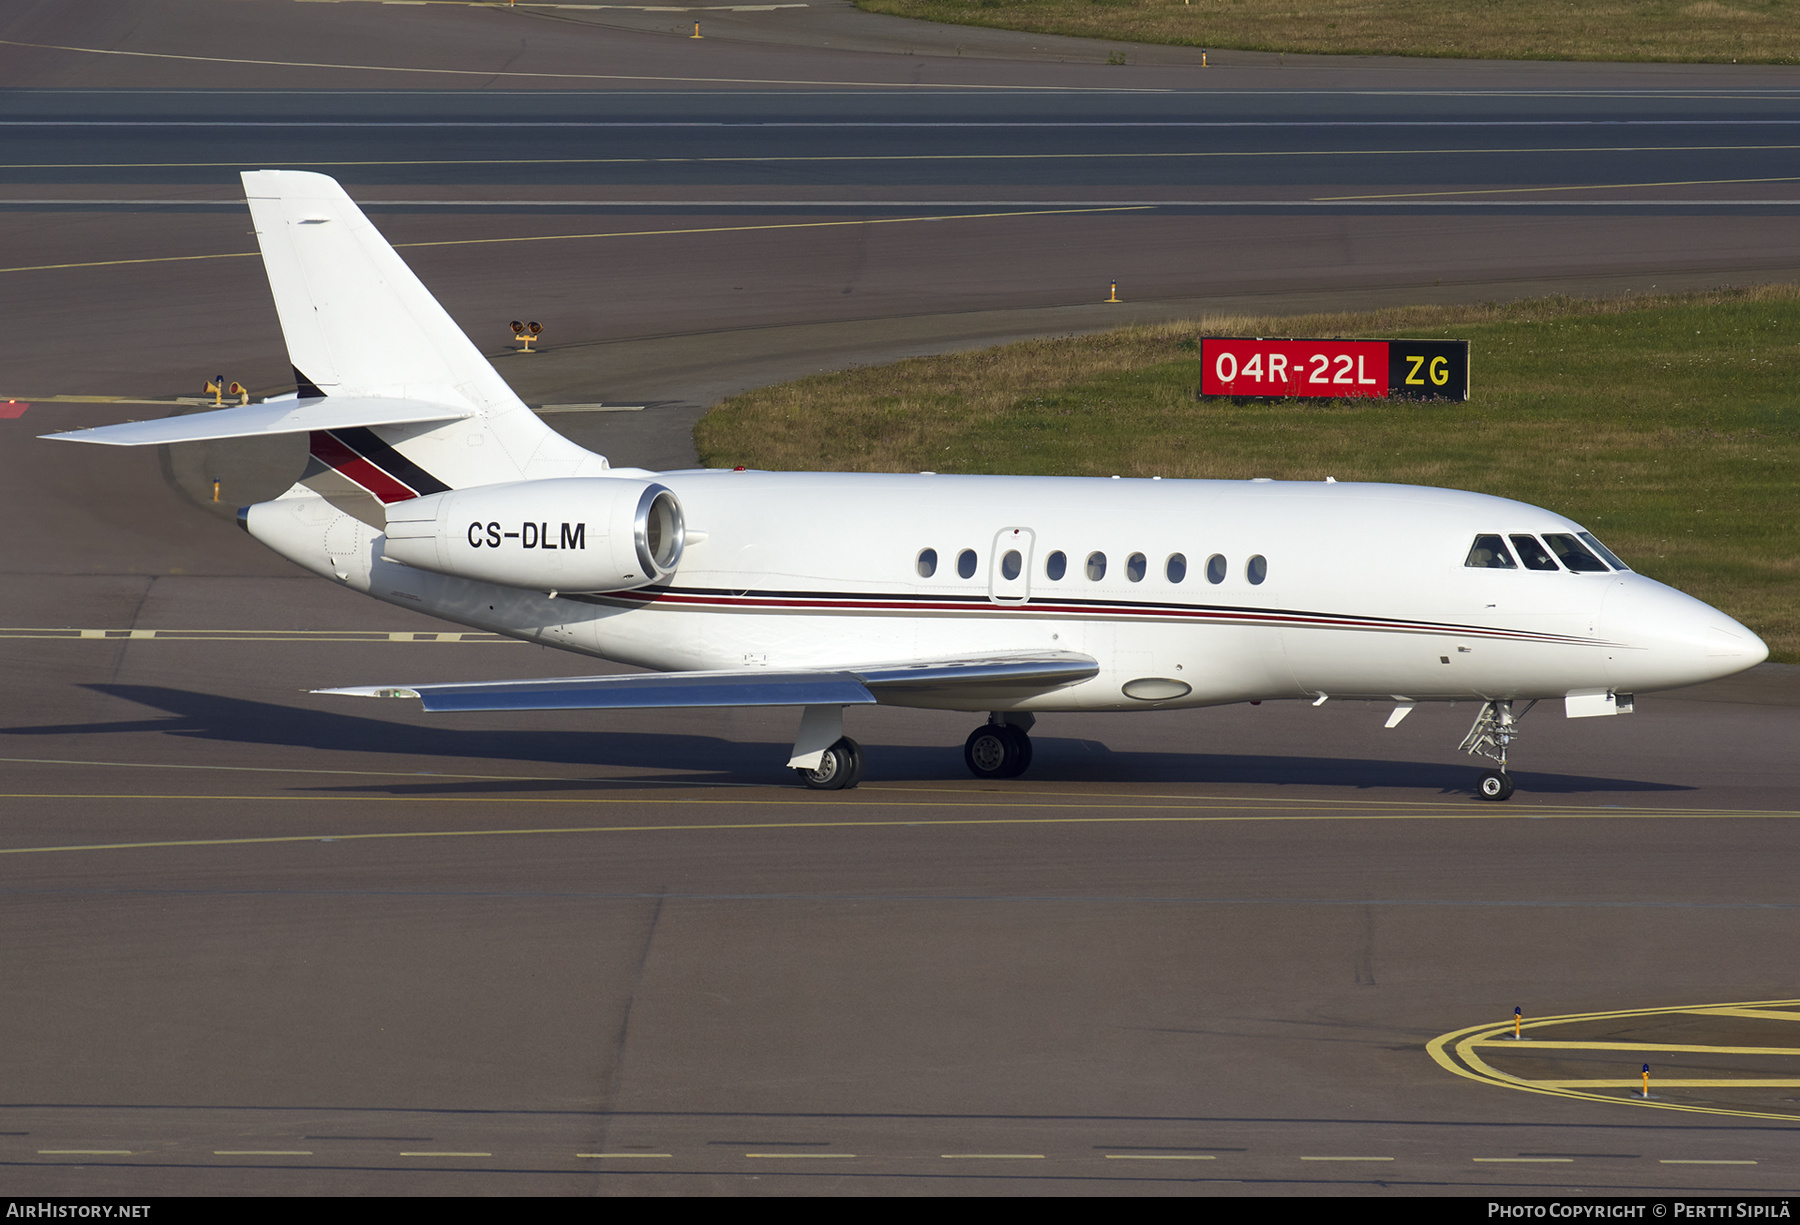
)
(567, 534)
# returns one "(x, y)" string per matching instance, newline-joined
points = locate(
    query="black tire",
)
(989, 751)
(1495, 785)
(997, 750)
(839, 769)
(854, 749)
(1021, 744)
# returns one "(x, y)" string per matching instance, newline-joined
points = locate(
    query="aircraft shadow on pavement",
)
(691, 758)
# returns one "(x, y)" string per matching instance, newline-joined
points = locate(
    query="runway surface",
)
(264, 941)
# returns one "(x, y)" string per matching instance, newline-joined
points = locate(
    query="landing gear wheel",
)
(1495, 785)
(997, 750)
(839, 769)
(1022, 746)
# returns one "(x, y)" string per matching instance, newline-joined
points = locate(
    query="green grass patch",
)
(1668, 425)
(1741, 31)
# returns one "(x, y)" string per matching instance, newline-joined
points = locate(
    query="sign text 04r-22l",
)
(1376, 369)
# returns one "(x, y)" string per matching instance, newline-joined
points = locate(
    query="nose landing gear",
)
(1000, 748)
(1495, 785)
(1495, 728)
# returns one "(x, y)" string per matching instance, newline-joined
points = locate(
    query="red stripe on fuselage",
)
(331, 451)
(1097, 611)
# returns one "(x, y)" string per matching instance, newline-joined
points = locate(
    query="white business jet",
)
(432, 487)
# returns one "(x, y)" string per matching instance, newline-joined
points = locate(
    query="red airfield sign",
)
(1375, 369)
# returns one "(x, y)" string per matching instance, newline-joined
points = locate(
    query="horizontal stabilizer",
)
(275, 417)
(1015, 675)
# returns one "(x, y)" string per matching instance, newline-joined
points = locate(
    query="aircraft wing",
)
(273, 417)
(917, 683)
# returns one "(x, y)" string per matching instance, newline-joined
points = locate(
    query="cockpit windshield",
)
(1532, 553)
(1579, 552)
(1604, 552)
(1489, 553)
(1573, 554)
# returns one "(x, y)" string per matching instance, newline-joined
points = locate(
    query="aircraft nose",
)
(1663, 639)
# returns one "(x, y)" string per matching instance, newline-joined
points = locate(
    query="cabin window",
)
(1533, 555)
(965, 563)
(1256, 569)
(1096, 567)
(1489, 553)
(1573, 554)
(1611, 559)
(1136, 567)
(1011, 564)
(1056, 565)
(1175, 568)
(1215, 568)
(927, 563)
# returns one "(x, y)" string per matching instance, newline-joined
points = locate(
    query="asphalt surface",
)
(262, 941)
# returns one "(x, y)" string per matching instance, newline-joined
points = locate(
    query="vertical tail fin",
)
(358, 322)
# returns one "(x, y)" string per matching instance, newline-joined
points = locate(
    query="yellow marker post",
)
(1114, 295)
(1203, 59)
(215, 491)
(1646, 1080)
(1518, 1022)
(696, 33)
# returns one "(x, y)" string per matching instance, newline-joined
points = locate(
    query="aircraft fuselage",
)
(1224, 591)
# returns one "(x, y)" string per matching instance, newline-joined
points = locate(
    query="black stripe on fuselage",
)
(364, 442)
(842, 603)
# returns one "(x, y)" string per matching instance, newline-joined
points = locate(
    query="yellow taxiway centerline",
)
(444, 1154)
(702, 827)
(84, 1152)
(1670, 1082)
(489, 73)
(262, 1152)
(707, 229)
(1536, 1044)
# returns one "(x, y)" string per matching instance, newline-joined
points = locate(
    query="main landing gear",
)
(840, 768)
(1000, 748)
(1494, 729)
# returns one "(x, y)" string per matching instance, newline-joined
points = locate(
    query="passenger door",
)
(1009, 572)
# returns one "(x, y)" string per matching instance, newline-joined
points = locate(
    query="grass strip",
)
(1668, 424)
(1741, 32)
